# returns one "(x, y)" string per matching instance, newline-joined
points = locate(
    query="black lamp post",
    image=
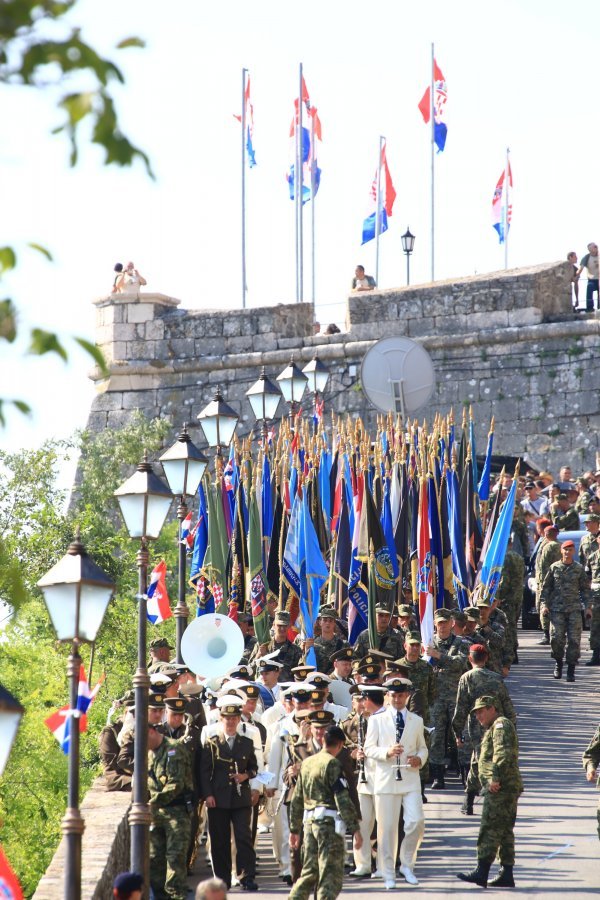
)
(292, 383)
(184, 465)
(408, 242)
(144, 501)
(264, 397)
(77, 593)
(11, 713)
(317, 374)
(218, 422)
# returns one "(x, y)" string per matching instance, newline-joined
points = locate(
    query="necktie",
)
(230, 741)
(399, 725)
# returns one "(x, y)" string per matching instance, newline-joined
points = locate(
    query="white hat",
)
(229, 700)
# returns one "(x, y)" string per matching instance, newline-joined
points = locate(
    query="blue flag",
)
(491, 570)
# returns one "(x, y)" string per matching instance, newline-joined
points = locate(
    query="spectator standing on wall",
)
(590, 262)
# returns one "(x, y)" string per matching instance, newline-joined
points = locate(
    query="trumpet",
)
(237, 784)
(361, 741)
(399, 730)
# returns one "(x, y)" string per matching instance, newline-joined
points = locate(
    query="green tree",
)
(37, 528)
(39, 48)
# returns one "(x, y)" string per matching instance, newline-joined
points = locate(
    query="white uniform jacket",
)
(381, 735)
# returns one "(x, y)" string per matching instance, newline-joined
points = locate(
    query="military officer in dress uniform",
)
(371, 704)
(342, 665)
(228, 764)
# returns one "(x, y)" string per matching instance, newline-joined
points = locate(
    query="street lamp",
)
(184, 465)
(292, 383)
(264, 397)
(144, 501)
(77, 593)
(11, 713)
(408, 242)
(317, 374)
(218, 422)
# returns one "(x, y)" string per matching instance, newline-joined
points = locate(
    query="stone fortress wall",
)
(506, 343)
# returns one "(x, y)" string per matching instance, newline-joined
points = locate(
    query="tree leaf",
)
(43, 250)
(130, 42)
(46, 342)
(22, 407)
(95, 352)
(8, 320)
(8, 259)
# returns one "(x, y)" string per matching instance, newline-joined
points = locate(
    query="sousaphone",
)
(211, 645)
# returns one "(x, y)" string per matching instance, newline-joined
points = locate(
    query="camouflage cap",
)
(472, 613)
(413, 638)
(322, 718)
(485, 702)
(282, 617)
(381, 608)
(157, 643)
(591, 517)
(327, 612)
(405, 610)
(176, 704)
(156, 701)
(482, 602)
(343, 655)
(442, 613)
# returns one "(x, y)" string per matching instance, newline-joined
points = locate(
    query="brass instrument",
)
(399, 730)
(237, 784)
(361, 743)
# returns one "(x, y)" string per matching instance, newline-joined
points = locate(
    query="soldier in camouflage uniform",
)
(548, 553)
(566, 586)
(328, 643)
(160, 653)
(593, 571)
(588, 544)
(565, 516)
(477, 682)
(510, 596)
(170, 785)
(289, 654)
(449, 655)
(493, 635)
(591, 764)
(502, 786)
(322, 805)
(388, 640)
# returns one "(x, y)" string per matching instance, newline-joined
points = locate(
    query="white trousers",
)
(362, 857)
(387, 813)
(280, 836)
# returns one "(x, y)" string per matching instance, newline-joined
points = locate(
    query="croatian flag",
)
(440, 97)
(425, 571)
(158, 607)
(500, 209)
(311, 125)
(249, 120)
(59, 722)
(386, 200)
(10, 889)
(187, 532)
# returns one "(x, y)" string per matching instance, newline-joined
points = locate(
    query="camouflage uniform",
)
(289, 655)
(520, 533)
(171, 789)
(548, 553)
(499, 761)
(564, 588)
(447, 671)
(423, 678)
(116, 778)
(591, 759)
(324, 650)
(587, 546)
(566, 521)
(582, 504)
(320, 785)
(493, 639)
(391, 641)
(510, 593)
(593, 571)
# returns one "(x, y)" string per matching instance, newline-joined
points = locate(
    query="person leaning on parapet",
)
(362, 282)
(590, 262)
(130, 280)
(572, 258)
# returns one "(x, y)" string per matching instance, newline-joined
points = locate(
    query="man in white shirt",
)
(534, 502)
(396, 742)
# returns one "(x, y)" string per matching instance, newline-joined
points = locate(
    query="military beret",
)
(156, 701)
(472, 613)
(343, 655)
(485, 702)
(282, 617)
(319, 680)
(321, 717)
(157, 643)
(398, 685)
(550, 529)
(230, 709)
(176, 704)
(568, 544)
(380, 608)
(442, 613)
(127, 882)
(300, 672)
(478, 648)
(328, 612)
(405, 610)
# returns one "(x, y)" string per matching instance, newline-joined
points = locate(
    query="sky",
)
(519, 75)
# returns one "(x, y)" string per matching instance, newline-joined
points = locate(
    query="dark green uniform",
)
(447, 670)
(391, 641)
(322, 803)
(116, 779)
(499, 761)
(171, 790)
(564, 590)
(290, 656)
(591, 761)
(510, 593)
(566, 521)
(593, 571)
(324, 650)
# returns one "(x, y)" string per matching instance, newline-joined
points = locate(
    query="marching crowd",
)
(312, 753)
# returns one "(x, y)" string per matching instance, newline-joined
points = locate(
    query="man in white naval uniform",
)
(396, 743)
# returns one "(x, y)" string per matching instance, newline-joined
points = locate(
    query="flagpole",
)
(506, 202)
(298, 194)
(432, 112)
(378, 209)
(243, 120)
(313, 182)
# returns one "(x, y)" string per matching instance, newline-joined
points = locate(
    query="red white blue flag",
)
(10, 889)
(386, 200)
(501, 206)
(425, 575)
(59, 722)
(440, 98)
(187, 532)
(311, 128)
(158, 605)
(249, 122)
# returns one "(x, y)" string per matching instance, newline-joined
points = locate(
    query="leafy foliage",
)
(35, 530)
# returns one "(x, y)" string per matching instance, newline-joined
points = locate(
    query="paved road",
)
(558, 851)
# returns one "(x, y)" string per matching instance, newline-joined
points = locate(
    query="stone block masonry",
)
(506, 343)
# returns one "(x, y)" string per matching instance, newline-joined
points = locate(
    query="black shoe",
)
(571, 673)
(515, 661)
(545, 641)
(249, 884)
(504, 878)
(595, 660)
(558, 670)
(287, 879)
(467, 807)
(477, 876)
(438, 779)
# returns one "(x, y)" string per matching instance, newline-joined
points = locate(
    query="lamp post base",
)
(72, 827)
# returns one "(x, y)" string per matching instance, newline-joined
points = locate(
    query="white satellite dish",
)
(397, 375)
